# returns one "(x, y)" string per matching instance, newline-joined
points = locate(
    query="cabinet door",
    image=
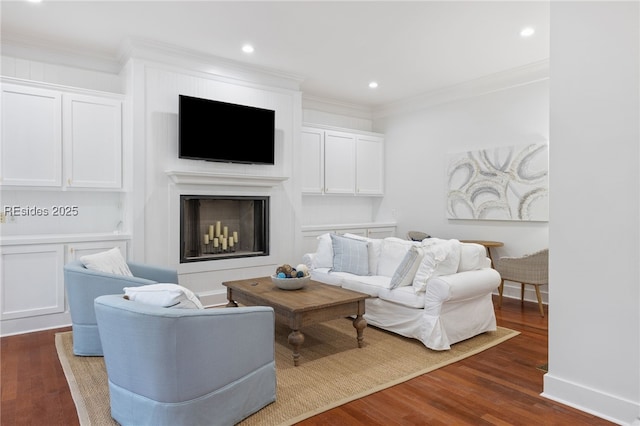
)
(382, 232)
(312, 142)
(31, 146)
(77, 250)
(32, 280)
(339, 163)
(369, 165)
(92, 141)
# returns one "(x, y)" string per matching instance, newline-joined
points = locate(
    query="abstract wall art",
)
(506, 183)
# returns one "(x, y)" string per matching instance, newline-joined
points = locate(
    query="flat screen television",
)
(225, 132)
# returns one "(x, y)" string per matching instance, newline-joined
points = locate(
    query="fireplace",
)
(223, 227)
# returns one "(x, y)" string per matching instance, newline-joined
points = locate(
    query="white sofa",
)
(436, 291)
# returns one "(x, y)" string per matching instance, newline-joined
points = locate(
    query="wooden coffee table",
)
(314, 303)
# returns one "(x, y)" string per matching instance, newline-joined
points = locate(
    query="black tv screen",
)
(225, 132)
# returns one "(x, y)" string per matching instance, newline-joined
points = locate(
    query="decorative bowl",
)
(290, 283)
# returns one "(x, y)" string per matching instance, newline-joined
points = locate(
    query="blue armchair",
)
(170, 366)
(84, 285)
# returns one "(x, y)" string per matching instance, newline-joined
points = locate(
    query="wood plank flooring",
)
(499, 386)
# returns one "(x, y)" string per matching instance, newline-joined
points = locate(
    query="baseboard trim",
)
(609, 407)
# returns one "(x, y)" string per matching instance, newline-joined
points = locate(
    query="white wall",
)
(156, 215)
(594, 328)
(417, 146)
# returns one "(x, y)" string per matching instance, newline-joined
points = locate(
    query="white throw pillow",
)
(110, 261)
(324, 253)
(403, 276)
(393, 251)
(473, 256)
(440, 258)
(350, 255)
(166, 295)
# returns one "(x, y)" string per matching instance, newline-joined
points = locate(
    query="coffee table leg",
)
(296, 339)
(360, 324)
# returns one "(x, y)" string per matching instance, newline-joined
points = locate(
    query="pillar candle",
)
(225, 231)
(215, 242)
(224, 244)
(235, 236)
(230, 241)
(211, 232)
(206, 238)
(217, 228)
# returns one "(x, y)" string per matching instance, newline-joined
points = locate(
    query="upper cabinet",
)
(340, 162)
(56, 138)
(93, 142)
(31, 146)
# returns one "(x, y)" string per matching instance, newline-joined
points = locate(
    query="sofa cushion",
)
(391, 255)
(324, 253)
(164, 294)
(370, 285)
(403, 296)
(350, 255)
(441, 257)
(473, 256)
(375, 246)
(406, 271)
(110, 261)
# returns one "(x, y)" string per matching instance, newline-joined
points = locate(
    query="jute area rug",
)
(332, 370)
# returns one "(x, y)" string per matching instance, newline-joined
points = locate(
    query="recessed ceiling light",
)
(247, 48)
(373, 84)
(527, 32)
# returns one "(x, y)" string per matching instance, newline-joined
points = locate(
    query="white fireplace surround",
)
(198, 275)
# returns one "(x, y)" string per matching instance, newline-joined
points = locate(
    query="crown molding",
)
(336, 107)
(25, 48)
(520, 76)
(138, 48)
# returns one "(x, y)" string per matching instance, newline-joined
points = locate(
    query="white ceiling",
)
(409, 48)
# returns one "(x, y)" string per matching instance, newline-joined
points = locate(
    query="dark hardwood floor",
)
(499, 386)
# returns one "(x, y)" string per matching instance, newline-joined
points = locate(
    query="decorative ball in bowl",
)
(290, 283)
(290, 278)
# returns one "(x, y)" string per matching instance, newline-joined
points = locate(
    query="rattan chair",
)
(532, 269)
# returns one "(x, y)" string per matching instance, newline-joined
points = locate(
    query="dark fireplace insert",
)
(222, 227)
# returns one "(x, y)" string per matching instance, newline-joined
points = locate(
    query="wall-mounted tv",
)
(225, 132)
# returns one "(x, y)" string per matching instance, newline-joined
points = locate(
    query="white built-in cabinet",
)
(32, 272)
(57, 138)
(342, 162)
(57, 144)
(311, 233)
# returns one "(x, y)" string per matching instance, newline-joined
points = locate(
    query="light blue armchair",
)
(84, 285)
(170, 366)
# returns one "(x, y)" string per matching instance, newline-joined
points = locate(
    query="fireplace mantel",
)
(208, 178)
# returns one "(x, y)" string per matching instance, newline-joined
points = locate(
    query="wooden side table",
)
(487, 244)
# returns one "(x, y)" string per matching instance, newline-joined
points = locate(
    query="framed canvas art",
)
(506, 183)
